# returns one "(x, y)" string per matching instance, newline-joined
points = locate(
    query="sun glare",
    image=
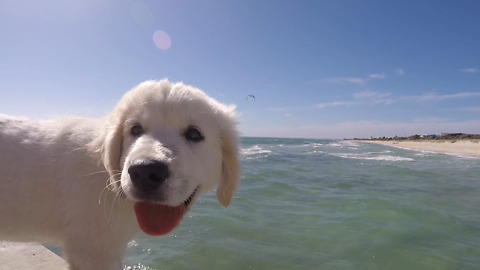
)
(162, 40)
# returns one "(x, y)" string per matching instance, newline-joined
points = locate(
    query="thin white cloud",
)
(291, 108)
(435, 97)
(433, 120)
(380, 76)
(373, 97)
(340, 80)
(362, 98)
(470, 109)
(334, 104)
(471, 70)
(399, 72)
(367, 94)
(354, 80)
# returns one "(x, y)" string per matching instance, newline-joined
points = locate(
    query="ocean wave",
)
(367, 156)
(460, 155)
(425, 153)
(313, 145)
(379, 153)
(344, 144)
(255, 152)
(314, 152)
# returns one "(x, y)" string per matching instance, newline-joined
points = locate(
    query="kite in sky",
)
(250, 97)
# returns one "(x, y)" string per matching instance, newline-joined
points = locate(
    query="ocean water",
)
(323, 204)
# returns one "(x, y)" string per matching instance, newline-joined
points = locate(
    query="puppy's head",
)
(165, 145)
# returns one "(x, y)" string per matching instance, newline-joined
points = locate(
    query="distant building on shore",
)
(428, 136)
(442, 136)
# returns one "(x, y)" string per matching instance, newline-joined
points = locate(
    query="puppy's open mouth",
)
(160, 219)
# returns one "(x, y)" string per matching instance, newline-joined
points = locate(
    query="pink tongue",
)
(157, 219)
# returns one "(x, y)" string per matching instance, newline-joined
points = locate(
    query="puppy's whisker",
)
(97, 172)
(116, 199)
(110, 185)
(118, 194)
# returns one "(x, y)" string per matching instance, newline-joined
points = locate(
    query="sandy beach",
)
(458, 147)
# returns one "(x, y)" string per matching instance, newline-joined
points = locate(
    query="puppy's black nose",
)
(148, 175)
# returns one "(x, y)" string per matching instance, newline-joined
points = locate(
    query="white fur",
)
(66, 181)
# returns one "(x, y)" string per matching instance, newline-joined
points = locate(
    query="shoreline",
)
(469, 148)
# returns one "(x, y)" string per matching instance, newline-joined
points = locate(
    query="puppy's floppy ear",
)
(230, 169)
(110, 146)
(113, 151)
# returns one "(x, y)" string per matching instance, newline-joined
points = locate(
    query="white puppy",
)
(90, 185)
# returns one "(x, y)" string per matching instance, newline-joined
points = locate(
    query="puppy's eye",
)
(193, 134)
(136, 130)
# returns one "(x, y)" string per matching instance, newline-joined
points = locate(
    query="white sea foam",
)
(367, 156)
(431, 153)
(344, 144)
(132, 243)
(255, 152)
(334, 145)
(460, 155)
(315, 152)
(313, 145)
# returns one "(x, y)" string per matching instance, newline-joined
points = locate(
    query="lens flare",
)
(162, 40)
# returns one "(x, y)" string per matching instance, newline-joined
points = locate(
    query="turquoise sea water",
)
(323, 204)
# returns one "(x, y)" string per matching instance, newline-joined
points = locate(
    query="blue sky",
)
(318, 69)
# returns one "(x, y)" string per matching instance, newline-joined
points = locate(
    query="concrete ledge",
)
(28, 256)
